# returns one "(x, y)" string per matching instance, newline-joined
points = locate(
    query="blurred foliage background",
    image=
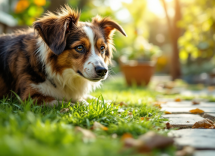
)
(146, 26)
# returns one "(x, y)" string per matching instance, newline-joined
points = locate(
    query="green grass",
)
(26, 129)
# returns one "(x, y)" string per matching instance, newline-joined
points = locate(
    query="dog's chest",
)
(73, 88)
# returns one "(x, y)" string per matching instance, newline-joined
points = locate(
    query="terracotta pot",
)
(138, 73)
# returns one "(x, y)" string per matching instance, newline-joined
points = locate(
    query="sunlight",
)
(156, 7)
(153, 6)
(115, 5)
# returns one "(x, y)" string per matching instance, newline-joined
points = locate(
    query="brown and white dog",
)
(60, 59)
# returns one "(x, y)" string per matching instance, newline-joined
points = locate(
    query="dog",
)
(59, 59)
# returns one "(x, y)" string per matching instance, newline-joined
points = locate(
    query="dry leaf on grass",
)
(205, 123)
(87, 134)
(157, 105)
(64, 110)
(196, 111)
(97, 125)
(166, 112)
(130, 113)
(145, 118)
(123, 104)
(126, 135)
(148, 142)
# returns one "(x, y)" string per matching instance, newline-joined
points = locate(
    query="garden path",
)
(202, 140)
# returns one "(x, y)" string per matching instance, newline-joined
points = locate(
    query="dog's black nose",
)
(100, 71)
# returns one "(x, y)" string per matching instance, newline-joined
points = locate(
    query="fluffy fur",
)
(61, 58)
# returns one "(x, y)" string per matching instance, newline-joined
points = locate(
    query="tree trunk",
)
(174, 35)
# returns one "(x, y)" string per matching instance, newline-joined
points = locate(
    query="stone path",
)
(203, 140)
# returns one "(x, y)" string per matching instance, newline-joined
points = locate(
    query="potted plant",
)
(138, 62)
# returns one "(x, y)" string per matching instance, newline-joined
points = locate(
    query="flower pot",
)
(138, 73)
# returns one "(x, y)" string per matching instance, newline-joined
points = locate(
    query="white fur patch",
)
(90, 35)
(42, 50)
(89, 65)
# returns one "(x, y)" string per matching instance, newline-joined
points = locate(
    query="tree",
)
(174, 31)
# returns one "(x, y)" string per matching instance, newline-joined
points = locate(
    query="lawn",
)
(26, 129)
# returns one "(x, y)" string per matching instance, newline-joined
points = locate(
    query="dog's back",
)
(17, 59)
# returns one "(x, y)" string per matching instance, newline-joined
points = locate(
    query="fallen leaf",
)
(104, 128)
(210, 88)
(160, 102)
(145, 118)
(130, 113)
(97, 125)
(123, 104)
(186, 151)
(153, 140)
(177, 100)
(147, 142)
(64, 110)
(168, 125)
(188, 121)
(126, 135)
(157, 105)
(196, 111)
(87, 134)
(195, 102)
(133, 143)
(166, 112)
(205, 123)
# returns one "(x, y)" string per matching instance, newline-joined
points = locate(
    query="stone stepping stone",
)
(204, 92)
(185, 110)
(182, 120)
(203, 139)
(204, 153)
(188, 104)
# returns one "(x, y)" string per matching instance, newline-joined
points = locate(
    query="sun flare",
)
(155, 7)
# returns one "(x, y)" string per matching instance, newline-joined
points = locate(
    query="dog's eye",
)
(80, 49)
(102, 49)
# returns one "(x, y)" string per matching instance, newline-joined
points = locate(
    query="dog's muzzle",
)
(100, 71)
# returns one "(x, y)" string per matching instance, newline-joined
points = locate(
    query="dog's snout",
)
(100, 71)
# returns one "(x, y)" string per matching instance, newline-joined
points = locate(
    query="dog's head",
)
(82, 46)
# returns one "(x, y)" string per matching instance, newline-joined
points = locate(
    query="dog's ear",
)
(108, 26)
(54, 29)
